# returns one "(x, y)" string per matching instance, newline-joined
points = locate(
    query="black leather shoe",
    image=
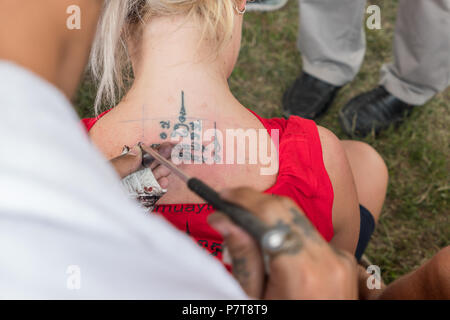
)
(308, 97)
(372, 112)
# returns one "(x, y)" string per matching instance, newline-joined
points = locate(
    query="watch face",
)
(274, 239)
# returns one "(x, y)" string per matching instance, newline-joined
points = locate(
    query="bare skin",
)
(429, 281)
(346, 221)
(369, 173)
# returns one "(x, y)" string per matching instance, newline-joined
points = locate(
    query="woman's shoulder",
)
(270, 123)
(334, 156)
(105, 134)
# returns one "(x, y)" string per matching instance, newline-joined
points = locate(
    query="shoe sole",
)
(349, 129)
(265, 7)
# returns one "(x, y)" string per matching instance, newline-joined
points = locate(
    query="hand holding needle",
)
(271, 240)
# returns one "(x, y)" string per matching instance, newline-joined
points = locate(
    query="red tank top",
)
(301, 177)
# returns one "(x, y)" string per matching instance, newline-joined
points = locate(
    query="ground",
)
(415, 221)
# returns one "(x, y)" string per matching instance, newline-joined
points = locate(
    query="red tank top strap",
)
(272, 124)
(90, 122)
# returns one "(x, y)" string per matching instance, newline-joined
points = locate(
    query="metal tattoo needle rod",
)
(150, 154)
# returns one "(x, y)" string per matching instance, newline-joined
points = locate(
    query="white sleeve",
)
(43, 260)
(67, 230)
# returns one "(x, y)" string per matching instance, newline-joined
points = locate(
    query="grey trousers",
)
(332, 43)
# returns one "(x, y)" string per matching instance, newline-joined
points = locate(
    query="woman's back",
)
(300, 172)
(128, 125)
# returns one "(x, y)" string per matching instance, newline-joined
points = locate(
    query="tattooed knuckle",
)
(241, 247)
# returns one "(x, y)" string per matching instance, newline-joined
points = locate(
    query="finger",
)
(163, 182)
(165, 150)
(247, 262)
(160, 172)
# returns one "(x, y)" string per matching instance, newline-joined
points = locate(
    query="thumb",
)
(247, 262)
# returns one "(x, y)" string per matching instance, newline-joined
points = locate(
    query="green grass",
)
(415, 221)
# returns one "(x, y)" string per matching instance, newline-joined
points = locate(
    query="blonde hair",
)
(109, 61)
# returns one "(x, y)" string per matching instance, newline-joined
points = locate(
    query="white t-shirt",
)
(67, 230)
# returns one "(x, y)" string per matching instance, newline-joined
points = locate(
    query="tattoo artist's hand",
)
(131, 161)
(312, 270)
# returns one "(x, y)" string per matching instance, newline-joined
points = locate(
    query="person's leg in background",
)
(429, 281)
(371, 179)
(332, 43)
(420, 70)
